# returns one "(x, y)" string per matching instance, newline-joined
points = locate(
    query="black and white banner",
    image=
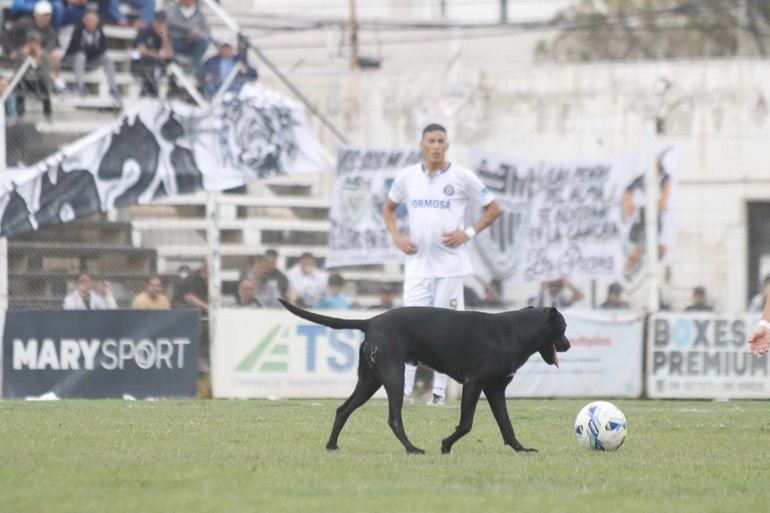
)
(582, 219)
(358, 235)
(704, 356)
(162, 149)
(105, 353)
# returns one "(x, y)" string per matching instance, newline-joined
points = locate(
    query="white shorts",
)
(436, 292)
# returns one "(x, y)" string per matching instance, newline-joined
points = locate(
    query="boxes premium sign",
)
(106, 353)
(704, 356)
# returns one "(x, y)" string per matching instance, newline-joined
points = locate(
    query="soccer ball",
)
(601, 426)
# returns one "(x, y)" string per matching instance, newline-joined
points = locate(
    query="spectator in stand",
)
(152, 297)
(263, 292)
(246, 296)
(560, 293)
(193, 291)
(88, 49)
(308, 282)
(11, 114)
(699, 301)
(273, 276)
(387, 299)
(152, 51)
(614, 298)
(110, 9)
(188, 30)
(36, 38)
(84, 298)
(757, 304)
(333, 298)
(64, 12)
(215, 71)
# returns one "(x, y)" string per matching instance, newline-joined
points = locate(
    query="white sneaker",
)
(59, 84)
(436, 401)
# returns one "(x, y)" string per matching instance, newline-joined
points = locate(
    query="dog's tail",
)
(332, 322)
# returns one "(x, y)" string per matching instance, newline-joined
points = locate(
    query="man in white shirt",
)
(437, 194)
(84, 298)
(308, 283)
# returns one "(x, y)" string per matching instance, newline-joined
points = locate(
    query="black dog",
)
(482, 351)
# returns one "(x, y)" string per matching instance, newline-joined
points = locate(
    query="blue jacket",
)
(212, 68)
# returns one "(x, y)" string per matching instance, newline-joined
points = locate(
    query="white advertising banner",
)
(604, 360)
(704, 356)
(274, 354)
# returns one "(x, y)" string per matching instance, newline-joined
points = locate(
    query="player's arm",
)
(759, 341)
(491, 211)
(401, 241)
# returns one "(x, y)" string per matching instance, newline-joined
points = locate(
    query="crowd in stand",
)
(179, 34)
(262, 283)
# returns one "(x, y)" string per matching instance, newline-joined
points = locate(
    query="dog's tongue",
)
(556, 358)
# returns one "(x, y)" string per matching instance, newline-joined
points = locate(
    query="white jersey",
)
(436, 205)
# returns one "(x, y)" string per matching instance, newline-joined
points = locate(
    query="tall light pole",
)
(503, 11)
(353, 36)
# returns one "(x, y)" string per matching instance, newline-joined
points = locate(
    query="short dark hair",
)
(271, 253)
(306, 255)
(699, 291)
(615, 288)
(159, 16)
(336, 280)
(433, 127)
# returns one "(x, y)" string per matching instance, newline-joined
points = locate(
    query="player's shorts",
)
(436, 292)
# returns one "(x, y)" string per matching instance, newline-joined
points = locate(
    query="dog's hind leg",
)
(471, 393)
(368, 384)
(496, 398)
(392, 377)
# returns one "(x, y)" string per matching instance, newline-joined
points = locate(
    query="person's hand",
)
(759, 341)
(454, 239)
(405, 244)
(105, 288)
(192, 34)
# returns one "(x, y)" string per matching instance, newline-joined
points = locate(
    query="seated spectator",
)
(84, 298)
(193, 291)
(35, 37)
(757, 304)
(188, 31)
(152, 51)
(87, 50)
(264, 293)
(333, 298)
(11, 114)
(152, 297)
(64, 12)
(387, 299)
(273, 276)
(560, 293)
(614, 298)
(308, 282)
(246, 296)
(213, 73)
(110, 9)
(699, 301)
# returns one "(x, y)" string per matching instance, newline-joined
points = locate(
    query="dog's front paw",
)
(415, 450)
(446, 448)
(521, 448)
(332, 448)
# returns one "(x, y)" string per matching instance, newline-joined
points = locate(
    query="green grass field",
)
(262, 456)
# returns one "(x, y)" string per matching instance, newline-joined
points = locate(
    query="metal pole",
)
(213, 260)
(353, 36)
(651, 189)
(503, 11)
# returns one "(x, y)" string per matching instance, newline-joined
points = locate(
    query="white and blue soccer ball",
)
(601, 426)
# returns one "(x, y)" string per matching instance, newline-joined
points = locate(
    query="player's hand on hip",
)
(759, 341)
(453, 239)
(405, 244)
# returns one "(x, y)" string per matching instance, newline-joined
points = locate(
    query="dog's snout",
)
(563, 344)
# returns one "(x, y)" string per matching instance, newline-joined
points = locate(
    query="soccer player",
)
(436, 194)
(759, 341)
